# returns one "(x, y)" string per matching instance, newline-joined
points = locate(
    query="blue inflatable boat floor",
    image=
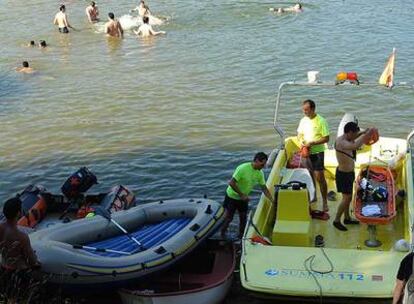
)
(150, 235)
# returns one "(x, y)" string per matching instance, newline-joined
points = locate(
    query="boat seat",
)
(301, 175)
(293, 221)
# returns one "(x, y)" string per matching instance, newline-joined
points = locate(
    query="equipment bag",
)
(33, 206)
(78, 183)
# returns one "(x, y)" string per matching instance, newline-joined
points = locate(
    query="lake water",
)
(173, 116)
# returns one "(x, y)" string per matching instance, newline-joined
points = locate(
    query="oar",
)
(100, 249)
(103, 212)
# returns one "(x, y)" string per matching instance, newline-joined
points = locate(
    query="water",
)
(172, 116)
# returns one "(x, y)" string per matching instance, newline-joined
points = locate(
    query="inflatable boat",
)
(309, 259)
(112, 251)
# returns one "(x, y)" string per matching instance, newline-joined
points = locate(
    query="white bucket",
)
(313, 76)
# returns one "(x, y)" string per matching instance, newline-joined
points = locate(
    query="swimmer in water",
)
(25, 68)
(42, 44)
(146, 30)
(142, 8)
(113, 28)
(297, 8)
(31, 43)
(92, 12)
(61, 20)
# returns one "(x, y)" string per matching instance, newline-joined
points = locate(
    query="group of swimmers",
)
(113, 27)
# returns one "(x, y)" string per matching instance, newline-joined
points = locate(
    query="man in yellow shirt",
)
(244, 179)
(313, 132)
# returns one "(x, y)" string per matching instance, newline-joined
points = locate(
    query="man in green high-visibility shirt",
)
(313, 132)
(245, 177)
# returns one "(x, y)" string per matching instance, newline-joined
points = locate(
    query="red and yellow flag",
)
(387, 76)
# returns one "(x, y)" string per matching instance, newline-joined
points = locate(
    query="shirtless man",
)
(16, 251)
(92, 12)
(297, 8)
(142, 8)
(113, 28)
(145, 30)
(25, 68)
(345, 147)
(61, 20)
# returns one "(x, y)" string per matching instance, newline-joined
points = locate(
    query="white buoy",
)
(313, 76)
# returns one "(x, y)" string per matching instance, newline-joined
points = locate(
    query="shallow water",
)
(172, 116)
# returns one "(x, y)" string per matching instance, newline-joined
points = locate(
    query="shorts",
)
(344, 181)
(317, 161)
(231, 205)
(63, 30)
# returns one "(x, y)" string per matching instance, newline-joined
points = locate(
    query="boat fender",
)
(272, 157)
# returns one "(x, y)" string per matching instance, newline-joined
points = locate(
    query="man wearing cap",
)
(245, 177)
(345, 148)
(313, 133)
(92, 12)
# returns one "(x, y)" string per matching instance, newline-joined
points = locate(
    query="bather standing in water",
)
(113, 28)
(92, 12)
(146, 30)
(142, 9)
(61, 20)
(297, 8)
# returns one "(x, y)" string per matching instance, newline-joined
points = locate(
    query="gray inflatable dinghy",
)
(94, 252)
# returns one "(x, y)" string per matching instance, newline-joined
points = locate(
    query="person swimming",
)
(297, 8)
(146, 30)
(25, 68)
(42, 44)
(31, 43)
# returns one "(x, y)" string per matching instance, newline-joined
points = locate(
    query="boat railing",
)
(278, 127)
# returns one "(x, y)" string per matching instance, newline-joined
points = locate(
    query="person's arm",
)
(88, 14)
(398, 290)
(152, 32)
(235, 187)
(29, 253)
(106, 28)
(66, 22)
(137, 32)
(267, 193)
(120, 29)
(346, 145)
(134, 9)
(55, 22)
(321, 141)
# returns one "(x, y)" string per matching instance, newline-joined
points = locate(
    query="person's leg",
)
(230, 209)
(243, 220)
(320, 177)
(343, 207)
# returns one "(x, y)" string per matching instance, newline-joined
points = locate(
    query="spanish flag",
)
(387, 76)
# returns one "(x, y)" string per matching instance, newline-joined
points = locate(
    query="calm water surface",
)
(172, 116)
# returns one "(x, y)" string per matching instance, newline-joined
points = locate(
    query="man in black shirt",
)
(404, 273)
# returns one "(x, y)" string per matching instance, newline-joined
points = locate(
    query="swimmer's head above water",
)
(62, 8)
(42, 44)
(25, 64)
(31, 43)
(111, 16)
(93, 3)
(145, 19)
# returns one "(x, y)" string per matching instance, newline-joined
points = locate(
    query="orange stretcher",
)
(377, 176)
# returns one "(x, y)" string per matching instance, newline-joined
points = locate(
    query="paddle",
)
(100, 249)
(105, 213)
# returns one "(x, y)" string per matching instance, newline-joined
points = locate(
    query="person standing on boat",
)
(313, 133)
(16, 251)
(245, 177)
(345, 147)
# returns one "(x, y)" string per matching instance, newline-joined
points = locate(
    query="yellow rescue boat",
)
(308, 257)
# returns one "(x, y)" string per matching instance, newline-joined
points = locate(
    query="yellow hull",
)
(345, 266)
